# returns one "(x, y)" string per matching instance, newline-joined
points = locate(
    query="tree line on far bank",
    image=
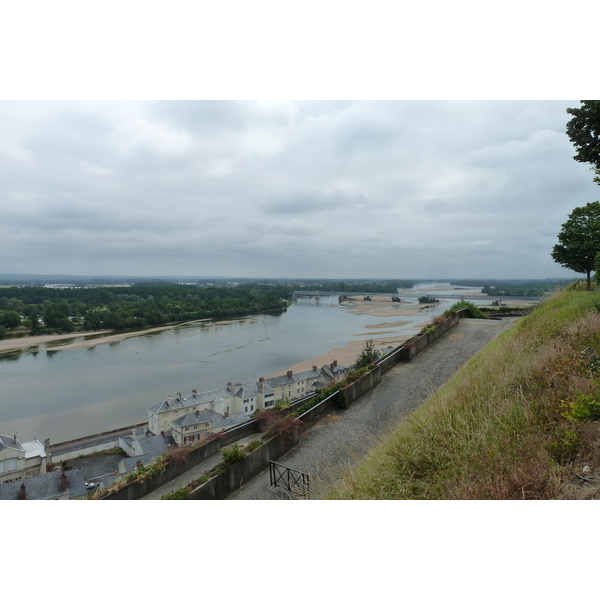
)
(47, 310)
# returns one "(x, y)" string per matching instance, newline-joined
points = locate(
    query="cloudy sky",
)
(287, 189)
(118, 156)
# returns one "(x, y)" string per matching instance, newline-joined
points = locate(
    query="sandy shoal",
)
(381, 306)
(32, 341)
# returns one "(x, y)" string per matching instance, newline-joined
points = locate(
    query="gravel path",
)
(344, 437)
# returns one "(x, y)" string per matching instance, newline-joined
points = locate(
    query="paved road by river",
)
(345, 437)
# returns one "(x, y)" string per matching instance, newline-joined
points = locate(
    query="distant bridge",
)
(416, 294)
(318, 293)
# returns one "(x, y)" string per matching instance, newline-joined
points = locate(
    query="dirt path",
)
(345, 437)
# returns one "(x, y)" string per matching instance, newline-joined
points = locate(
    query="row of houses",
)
(194, 417)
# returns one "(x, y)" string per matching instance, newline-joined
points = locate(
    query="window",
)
(246, 400)
(270, 395)
(269, 403)
(245, 409)
(252, 407)
(187, 428)
(195, 426)
(207, 424)
(12, 464)
(2, 466)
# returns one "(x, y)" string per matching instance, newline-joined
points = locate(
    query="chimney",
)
(197, 413)
(261, 379)
(48, 455)
(335, 363)
(15, 438)
(23, 492)
(194, 391)
(331, 366)
(138, 464)
(290, 373)
(63, 480)
(314, 367)
(226, 414)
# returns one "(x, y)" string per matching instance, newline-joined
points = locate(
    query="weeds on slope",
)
(505, 426)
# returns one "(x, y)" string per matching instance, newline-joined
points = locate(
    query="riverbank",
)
(33, 342)
(52, 342)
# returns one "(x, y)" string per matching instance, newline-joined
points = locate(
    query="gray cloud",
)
(322, 189)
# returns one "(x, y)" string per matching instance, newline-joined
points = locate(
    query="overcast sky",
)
(416, 189)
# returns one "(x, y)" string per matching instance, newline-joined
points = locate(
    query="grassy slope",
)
(503, 427)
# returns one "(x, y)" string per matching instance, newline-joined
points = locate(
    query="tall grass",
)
(497, 430)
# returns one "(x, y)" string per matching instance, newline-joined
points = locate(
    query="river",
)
(67, 394)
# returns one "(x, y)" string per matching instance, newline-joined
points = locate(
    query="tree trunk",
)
(589, 284)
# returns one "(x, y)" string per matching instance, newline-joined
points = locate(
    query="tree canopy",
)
(579, 240)
(584, 132)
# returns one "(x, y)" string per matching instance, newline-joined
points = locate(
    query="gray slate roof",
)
(130, 463)
(179, 402)
(325, 371)
(7, 441)
(46, 486)
(154, 445)
(222, 422)
(204, 416)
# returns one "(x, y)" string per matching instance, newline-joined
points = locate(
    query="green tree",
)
(584, 132)
(10, 318)
(367, 355)
(579, 240)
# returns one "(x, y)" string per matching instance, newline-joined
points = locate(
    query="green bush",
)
(584, 408)
(319, 398)
(367, 356)
(233, 454)
(180, 494)
(253, 445)
(281, 404)
(429, 329)
(472, 312)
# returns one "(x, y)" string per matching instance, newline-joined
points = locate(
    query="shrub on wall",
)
(233, 454)
(472, 312)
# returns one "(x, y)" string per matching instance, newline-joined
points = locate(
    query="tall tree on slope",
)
(584, 132)
(579, 240)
